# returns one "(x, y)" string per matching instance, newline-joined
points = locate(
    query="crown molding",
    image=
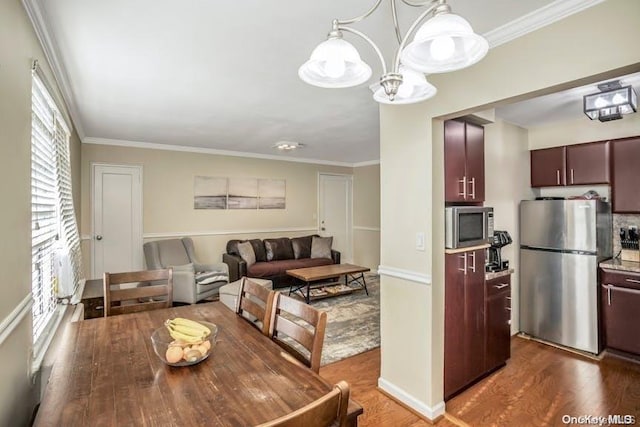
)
(537, 19)
(367, 163)
(52, 55)
(203, 150)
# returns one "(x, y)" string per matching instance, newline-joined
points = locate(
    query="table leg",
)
(308, 290)
(358, 279)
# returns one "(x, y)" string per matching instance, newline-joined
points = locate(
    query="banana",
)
(190, 323)
(187, 330)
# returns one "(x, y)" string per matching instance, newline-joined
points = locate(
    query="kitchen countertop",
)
(495, 274)
(617, 264)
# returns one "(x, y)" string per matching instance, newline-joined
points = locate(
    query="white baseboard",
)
(429, 412)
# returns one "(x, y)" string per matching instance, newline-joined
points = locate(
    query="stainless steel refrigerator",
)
(561, 244)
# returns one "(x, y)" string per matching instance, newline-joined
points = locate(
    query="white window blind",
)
(53, 224)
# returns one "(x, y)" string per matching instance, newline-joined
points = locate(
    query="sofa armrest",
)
(220, 267)
(184, 286)
(335, 256)
(237, 266)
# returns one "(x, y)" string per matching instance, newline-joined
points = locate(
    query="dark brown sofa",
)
(273, 261)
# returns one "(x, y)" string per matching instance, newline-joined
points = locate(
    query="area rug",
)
(353, 321)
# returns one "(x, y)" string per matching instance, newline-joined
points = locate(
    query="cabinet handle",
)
(558, 176)
(464, 269)
(501, 286)
(472, 194)
(632, 281)
(463, 181)
(619, 289)
(572, 175)
(473, 266)
(508, 308)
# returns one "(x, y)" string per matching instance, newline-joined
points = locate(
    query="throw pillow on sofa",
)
(245, 250)
(321, 247)
(278, 249)
(301, 247)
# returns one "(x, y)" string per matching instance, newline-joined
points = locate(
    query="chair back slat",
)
(283, 327)
(330, 409)
(155, 284)
(255, 304)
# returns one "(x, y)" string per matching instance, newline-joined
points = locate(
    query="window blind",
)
(54, 228)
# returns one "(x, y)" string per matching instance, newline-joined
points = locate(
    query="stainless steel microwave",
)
(467, 226)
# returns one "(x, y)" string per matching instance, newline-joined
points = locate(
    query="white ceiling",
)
(223, 75)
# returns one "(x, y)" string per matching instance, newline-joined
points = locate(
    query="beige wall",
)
(507, 170)
(18, 47)
(566, 54)
(366, 216)
(582, 130)
(168, 197)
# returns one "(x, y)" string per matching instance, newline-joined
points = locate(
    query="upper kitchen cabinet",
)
(588, 163)
(580, 164)
(548, 167)
(464, 162)
(626, 175)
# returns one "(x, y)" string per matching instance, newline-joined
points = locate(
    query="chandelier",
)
(445, 42)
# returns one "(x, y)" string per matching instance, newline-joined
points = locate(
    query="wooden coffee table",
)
(311, 275)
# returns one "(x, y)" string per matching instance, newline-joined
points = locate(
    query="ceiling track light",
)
(611, 103)
(445, 42)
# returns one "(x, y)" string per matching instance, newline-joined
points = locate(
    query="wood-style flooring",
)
(538, 386)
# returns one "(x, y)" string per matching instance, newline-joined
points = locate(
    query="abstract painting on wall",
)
(243, 193)
(271, 194)
(210, 192)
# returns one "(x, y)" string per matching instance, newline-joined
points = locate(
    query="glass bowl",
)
(190, 353)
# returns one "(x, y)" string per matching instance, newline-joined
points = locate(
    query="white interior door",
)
(335, 212)
(117, 219)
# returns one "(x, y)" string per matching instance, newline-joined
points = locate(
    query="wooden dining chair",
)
(255, 304)
(329, 410)
(310, 336)
(154, 290)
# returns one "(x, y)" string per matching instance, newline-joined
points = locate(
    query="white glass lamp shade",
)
(414, 88)
(335, 63)
(444, 43)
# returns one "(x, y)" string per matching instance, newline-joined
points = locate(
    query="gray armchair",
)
(192, 281)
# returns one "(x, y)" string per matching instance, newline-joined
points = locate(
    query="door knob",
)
(322, 229)
(98, 237)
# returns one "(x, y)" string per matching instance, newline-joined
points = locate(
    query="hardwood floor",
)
(538, 386)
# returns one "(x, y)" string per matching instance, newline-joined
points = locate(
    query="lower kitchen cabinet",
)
(620, 303)
(497, 322)
(464, 338)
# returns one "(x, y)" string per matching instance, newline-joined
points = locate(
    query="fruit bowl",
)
(181, 352)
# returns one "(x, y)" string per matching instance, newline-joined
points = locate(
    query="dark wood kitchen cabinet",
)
(464, 162)
(620, 302)
(464, 338)
(588, 163)
(579, 164)
(548, 167)
(626, 175)
(497, 322)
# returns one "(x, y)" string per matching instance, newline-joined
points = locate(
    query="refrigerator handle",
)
(472, 255)
(463, 269)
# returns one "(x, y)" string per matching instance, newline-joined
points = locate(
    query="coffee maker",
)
(500, 240)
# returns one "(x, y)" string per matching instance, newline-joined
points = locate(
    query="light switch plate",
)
(420, 241)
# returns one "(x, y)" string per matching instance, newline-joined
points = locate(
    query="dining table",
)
(106, 373)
